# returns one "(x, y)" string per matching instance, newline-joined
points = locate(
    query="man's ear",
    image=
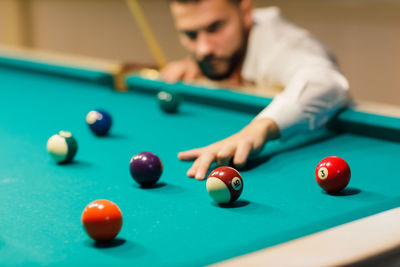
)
(246, 7)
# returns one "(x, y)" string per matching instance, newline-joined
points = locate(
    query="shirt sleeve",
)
(311, 98)
(314, 88)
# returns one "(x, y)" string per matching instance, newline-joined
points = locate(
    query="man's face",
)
(214, 32)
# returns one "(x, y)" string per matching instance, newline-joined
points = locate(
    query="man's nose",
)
(204, 46)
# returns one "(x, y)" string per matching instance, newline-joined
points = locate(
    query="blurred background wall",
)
(364, 34)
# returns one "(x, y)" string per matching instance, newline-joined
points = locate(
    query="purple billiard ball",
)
(99, 121)
(146, 168)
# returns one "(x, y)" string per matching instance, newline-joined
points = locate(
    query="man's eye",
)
(215, 27)
(191, 35)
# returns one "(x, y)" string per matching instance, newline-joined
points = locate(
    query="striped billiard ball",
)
(62, 147)
(99, 121)
(224, 185)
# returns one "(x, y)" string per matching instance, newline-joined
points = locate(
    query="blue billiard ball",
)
(99, 122)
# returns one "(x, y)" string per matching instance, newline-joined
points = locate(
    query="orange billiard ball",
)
(332, 174)
(102, 220)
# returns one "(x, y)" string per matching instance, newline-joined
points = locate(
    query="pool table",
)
(282, 218)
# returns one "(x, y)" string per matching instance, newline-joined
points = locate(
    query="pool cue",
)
(155, 49)
(144, 27)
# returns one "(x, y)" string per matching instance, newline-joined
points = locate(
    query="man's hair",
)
(195, 1)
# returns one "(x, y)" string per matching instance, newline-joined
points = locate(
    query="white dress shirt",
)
(282, 53)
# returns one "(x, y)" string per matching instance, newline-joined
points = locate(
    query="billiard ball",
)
(332, 174)
(99, 121)
(224, 185)
(62, 147)
(169, 101)
(102, 220)
(146, 168)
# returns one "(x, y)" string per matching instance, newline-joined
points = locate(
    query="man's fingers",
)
(258, 146)
(242, 153)
(205, 162)
(225, 155)
(189, 154)
(192, 171)
(172, 74)
(190, 75)
(172, 77)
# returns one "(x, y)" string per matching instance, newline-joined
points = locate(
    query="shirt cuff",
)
(290, 119)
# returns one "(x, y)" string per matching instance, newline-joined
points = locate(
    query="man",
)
(228, 40)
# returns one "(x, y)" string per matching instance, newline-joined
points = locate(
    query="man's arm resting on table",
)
(310, 99)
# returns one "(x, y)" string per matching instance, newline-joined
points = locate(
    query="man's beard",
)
(233, 63)
(209, 71)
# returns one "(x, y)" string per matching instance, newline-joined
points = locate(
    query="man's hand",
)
(250, 139)
(186, 70)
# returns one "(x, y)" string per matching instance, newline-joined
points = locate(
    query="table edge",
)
(352, 244)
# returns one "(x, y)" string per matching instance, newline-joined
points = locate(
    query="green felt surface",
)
(175, 224)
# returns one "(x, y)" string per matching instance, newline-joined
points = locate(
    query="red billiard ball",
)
(224, 185)
(102, 220)
(332, 174)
